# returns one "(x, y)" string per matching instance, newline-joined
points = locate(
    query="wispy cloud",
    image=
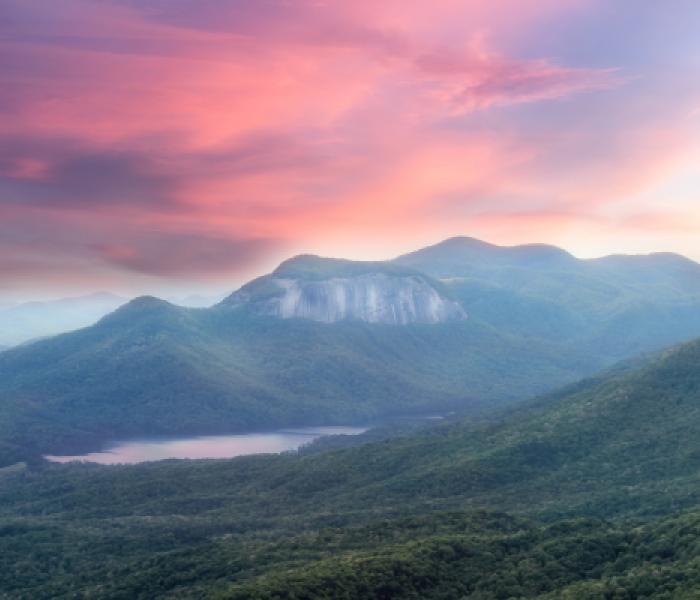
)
(197, 136)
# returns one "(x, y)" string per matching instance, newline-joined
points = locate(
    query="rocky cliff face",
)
(371, 294)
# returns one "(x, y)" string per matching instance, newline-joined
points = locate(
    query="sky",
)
(162, 146)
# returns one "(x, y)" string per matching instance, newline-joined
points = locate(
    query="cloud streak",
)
(181, 137)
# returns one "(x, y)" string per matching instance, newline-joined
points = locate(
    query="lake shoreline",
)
(213, 446)
(202, 447)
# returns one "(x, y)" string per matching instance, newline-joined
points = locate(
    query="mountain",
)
(620, 444)
(623, 443)
(26, 321)
(617, 305)
(322, 341)
(332, 290)
(600, 478)
(465, 256)
(152, 367)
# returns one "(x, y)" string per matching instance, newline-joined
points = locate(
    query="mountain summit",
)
(330, 290)
(460, 256)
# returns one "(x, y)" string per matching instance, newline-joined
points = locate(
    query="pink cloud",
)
(298, 124)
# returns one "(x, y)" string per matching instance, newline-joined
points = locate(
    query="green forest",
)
(349, 300)
(592, 492)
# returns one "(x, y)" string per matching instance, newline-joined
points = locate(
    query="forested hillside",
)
(603, 477)
(154, 368)
(329, 341)
(616, 306)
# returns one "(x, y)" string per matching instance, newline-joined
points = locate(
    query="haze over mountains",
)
(26, 321)
(617, 305)
(463, 325)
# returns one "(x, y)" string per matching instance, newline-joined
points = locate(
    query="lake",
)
(209, 446)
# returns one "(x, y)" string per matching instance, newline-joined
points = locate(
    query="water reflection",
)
(211, 446)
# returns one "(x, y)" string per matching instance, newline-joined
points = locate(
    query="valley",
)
(571, 495)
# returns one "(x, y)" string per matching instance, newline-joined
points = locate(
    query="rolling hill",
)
(601, 480)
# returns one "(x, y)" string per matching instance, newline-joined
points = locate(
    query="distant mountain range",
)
(616, 306)
(26, 321)
(463, 325)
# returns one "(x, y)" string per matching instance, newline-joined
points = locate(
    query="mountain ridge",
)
(154, 367)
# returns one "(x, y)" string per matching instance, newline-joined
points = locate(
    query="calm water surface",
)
(210, 446)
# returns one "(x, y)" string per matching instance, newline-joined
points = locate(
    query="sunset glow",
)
(152, 144)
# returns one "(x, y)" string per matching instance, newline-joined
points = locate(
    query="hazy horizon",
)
(191, 292)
